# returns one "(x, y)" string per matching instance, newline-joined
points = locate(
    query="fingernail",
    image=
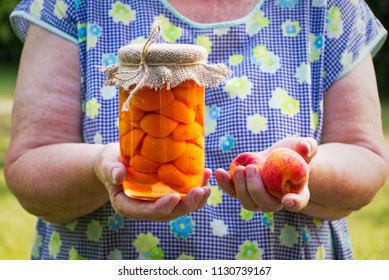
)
(289, 203)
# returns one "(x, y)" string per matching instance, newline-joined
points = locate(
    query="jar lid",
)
(158, 65)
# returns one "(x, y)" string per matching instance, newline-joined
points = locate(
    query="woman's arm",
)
(48, 168)
(349, 166)
(351, 163)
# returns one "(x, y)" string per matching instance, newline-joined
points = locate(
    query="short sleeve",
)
(57, 16)
(352, 31)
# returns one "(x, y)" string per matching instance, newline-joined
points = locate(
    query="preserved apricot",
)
(162, 149)
(188, 131)
(191, 161)
(152, 100)
(178, 111)
(157, 125)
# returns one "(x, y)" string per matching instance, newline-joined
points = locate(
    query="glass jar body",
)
(162, 140)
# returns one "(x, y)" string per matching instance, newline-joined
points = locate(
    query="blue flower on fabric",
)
(227, 142)
(115, 222)
(109, 58)
(77, 4)
(287, 4)
(306, 234)
(95, 29)
(82, 31)
(182, 227)
(214, 113)
(319, 42)
(290, 28)
(268, 219)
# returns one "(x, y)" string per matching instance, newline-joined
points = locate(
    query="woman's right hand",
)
(111, 172)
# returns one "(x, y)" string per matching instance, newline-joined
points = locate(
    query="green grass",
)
(368, 227)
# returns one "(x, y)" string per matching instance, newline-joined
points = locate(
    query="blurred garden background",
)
(369, 227)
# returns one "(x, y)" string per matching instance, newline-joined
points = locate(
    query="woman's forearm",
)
(57, 182)
(344, 178)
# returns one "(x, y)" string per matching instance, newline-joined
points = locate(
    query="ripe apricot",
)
(143, 164)
(152, 100)
(170, 175)
(191, 161)
(191, 96)
(178, 111)
(162, 149)
(187, 131)
(130, 142)
(157, 125)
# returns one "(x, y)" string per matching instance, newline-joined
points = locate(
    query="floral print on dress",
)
(170, 32)
(55, 244)
(122, 13)
(92, 108)
(210, 114)
(266, 60)
(219, 228)
(36, 8)
(246, 215)
(289, 236)
(287, 4)
(256, 123)
(73, 255)
(334, 22)
(94, 231)
(36, 245)
(256, 23)
(60, 9)
(182, 227)
(249, 250)
(204, 41)
(239, 87)
(215, 197)
(290, 28)
(226, 142)
(235, 59)
(282, 100)
(115, 222)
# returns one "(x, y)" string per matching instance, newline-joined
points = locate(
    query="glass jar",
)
(162, 140)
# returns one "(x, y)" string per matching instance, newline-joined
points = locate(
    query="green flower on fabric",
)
(256, 123)
(219, 228)
(318, 222)
(185, 257)
(145, 242)
(286, 103)
(360, 26)
(36, 8)
(157, 253)
(182, 227)
(320, 253)
(303, 73)
(36, 245)
(268, 220)
(121, 12)
(215, 197)
(266, 60)
(246, 215)
(169, 32)
(289, 236)
(334, 21)
(235, 59)
(257, 22)
(346, 60)
(238, 87)
(82, 31)
(92, 108)
(204, 41)
(71, 226)
(249, 251)
(94, 231)
(115, 254)
(314, 120)
(60, 9)
(306, 234)
(73, 255)
(55, 244)
(290, 28)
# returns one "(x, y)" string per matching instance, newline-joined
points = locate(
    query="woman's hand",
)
(250, 190)
(111, 172)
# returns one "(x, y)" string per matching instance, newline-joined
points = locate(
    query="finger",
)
(241, 189)
(258, 192)
(296, 202)
(224, 181)
(207, 176)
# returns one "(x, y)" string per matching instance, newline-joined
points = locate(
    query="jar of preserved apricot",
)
(161, 116)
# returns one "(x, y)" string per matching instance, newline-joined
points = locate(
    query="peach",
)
(144, 165)
(178, 111)
(284, 171)
(157, 125)
(245, 159)
(162, 149)
(152, 100)
(187, 131)
(170, 175)
(130, 143)
(192, 160)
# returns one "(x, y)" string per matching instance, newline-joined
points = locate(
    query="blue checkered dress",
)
(284, 55)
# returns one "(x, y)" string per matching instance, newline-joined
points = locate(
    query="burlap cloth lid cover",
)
(156, 65)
